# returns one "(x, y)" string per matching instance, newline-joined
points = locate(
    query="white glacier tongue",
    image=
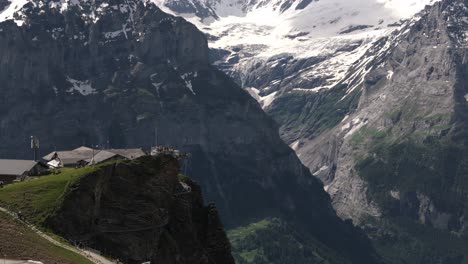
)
(265, 20)
(255, 32)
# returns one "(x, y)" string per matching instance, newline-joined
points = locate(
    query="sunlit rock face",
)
(389, 141)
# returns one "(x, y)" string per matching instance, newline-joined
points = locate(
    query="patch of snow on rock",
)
(395, 194)
(264, 101)
(267, 100)
(355, 125)
(389, 75)
(83, 87)
(295, 145)
(323, 168)
(188, 82)
(345, 118)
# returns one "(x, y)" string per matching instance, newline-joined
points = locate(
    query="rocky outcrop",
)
(143, 211)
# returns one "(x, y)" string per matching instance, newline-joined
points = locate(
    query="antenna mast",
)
(156, 136)
(35, 146)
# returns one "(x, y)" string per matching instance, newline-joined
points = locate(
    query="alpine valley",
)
(325, 131)
(373, 102)
(123, 73)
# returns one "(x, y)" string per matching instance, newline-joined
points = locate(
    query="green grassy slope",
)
(19, 242)
(38, 198)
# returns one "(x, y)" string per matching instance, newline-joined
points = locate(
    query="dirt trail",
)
(91, 256)
(11, 261)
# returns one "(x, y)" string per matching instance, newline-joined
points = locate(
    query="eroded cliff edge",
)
(140, 211)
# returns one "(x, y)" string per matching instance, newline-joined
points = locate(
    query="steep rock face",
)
(140, 211)
(136, 70)
(117, 73)
(411, 89)
(390, 144)
(3, 4)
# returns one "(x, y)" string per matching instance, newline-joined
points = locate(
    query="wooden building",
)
(84, 156)
(18, 170)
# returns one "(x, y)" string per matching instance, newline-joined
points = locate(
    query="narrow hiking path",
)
(12, 261)
(91, 256)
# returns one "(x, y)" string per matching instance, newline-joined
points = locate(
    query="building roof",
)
(83, 148)
(102, 156)
(128, 153)
(72, 156)
(16, 167)
(86, 154)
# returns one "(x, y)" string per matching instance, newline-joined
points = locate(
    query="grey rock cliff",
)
(411, 89)
(389, 143)
(140, 211)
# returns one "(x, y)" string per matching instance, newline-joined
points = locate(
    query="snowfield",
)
(340, 31)
(248, 22)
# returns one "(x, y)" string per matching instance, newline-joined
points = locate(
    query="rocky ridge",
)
(401, 78)
(389, 142)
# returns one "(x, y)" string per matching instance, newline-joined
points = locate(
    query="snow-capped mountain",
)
(91, 72)
(272, 47)
(390, 141)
